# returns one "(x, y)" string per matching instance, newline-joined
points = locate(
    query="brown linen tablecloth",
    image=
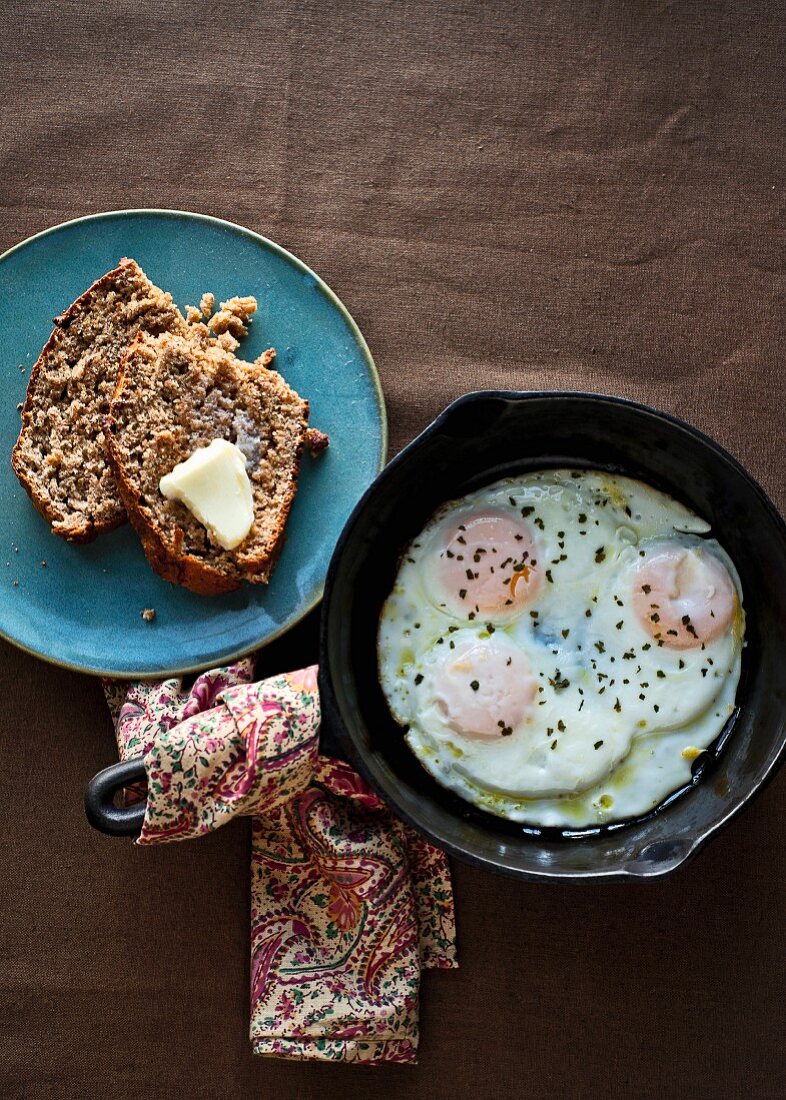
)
(560, 195)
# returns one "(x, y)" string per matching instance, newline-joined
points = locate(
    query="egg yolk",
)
(487, 564)
(484, 688)
(683, 597)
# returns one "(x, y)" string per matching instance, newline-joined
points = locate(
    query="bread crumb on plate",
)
(266, 358)
(316, 441)
(242, 305)
(233, 315)
(148, 614)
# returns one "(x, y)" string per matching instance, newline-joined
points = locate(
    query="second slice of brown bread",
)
(174, 395)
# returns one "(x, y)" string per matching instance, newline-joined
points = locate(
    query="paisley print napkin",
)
(348, 904)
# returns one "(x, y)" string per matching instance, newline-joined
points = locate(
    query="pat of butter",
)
(214, 486)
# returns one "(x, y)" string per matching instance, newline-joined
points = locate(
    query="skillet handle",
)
(127, 820)
(99, 799)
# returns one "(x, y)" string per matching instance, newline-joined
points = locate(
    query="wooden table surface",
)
(521, 195)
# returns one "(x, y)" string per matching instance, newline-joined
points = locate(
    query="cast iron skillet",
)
(479, 438)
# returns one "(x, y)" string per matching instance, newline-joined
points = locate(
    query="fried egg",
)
(561, 646)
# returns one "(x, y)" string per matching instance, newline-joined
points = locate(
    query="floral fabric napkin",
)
(348, 904)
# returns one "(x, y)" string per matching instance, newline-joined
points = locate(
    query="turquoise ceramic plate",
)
(82, 609)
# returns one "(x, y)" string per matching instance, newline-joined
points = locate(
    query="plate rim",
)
(360, 340)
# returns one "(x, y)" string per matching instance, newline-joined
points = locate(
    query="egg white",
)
(618, 719)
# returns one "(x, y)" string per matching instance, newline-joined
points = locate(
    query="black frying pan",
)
(476, 440)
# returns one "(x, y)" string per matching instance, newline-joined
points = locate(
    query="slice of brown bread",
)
(174, 395)
(60, 457)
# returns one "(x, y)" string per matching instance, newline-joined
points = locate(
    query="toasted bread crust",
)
(162, 527)
(184, 569)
